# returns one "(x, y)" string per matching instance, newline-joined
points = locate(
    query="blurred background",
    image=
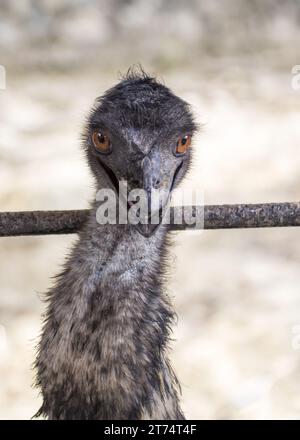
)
(236, 347)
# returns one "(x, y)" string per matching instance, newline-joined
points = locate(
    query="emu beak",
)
(146, 229)
(156, 197)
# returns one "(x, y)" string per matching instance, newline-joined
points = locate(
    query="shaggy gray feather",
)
(103, 350)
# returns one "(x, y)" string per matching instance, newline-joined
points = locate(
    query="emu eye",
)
(183, 144)
(101, 141)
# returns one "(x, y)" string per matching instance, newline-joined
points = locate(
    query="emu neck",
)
(103, 349)
(119, 257)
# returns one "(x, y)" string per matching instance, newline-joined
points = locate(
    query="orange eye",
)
(101, 141)
(183, 144)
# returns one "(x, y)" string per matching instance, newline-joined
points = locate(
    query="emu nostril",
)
(156, 183)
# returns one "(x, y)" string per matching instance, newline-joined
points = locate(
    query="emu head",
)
(140, 132)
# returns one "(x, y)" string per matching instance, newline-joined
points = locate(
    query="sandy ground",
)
(236, 293)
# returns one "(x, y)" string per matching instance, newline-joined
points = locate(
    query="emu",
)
(103, 352)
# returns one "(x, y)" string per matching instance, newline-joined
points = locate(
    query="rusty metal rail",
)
(215, 217)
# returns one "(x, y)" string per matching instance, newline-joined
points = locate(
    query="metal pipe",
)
(214, 217)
